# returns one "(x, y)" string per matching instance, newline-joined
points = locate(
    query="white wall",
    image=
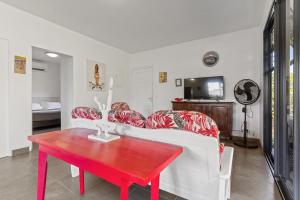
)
(23, 31)
(4, 98)
(239, 58)
(66, 91)
(46, 83)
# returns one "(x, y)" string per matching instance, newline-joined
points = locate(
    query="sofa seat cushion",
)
(86, 113)
(129, 117)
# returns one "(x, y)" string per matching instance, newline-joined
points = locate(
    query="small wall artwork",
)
(20, 64)
(96, 75)
(178, 82)
(163, 77)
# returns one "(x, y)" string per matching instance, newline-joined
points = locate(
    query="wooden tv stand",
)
(219, 111)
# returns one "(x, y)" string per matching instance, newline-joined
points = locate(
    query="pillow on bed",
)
(53, 105)
(36, 106)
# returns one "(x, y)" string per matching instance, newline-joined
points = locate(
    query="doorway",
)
(142, 90)
(4, 98)
(51, 90)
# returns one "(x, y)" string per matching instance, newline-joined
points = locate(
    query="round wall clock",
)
(211, 58)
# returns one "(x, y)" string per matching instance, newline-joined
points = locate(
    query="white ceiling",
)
(39, 54)
(137, 25)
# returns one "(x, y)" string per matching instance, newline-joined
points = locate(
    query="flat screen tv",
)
(209, 88)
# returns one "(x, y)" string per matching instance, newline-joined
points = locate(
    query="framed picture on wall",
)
(20, 64)
(95, 75)
(178, 82)
(163, 77)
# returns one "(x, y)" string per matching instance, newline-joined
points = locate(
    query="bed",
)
(46, 112)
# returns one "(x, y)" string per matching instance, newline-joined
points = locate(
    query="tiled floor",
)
(251, 180)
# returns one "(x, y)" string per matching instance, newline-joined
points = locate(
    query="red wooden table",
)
(122, 162)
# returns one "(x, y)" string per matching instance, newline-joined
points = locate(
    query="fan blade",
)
(239, 91)
(249, 85)
(249, 96)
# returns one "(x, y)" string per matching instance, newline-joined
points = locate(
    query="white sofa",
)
(198, 174)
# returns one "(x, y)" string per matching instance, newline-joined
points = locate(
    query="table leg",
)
(81, 179)
(124, 190)
(42, 175)
(155, 188)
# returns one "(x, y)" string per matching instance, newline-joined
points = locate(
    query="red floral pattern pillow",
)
(86, 113)
(195, 122)
(120, 106)
(184, 120)
(129, 117)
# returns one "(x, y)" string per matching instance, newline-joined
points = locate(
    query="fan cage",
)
(246, 102)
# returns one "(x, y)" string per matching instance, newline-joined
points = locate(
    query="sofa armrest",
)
(226, 163)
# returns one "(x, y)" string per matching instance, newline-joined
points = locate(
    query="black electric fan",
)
(246, 92)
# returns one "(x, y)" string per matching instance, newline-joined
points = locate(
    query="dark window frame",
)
(277, 18)
(268, 86)
(297, 99)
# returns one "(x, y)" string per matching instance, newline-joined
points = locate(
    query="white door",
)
(142, 90)
(4, 98)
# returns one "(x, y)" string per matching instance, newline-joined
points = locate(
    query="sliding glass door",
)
(280, 96)
(296, 108)
(269, 87)
(288, 172)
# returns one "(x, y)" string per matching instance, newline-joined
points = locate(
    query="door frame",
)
(152, 84)
(281, 60)
(67, 101)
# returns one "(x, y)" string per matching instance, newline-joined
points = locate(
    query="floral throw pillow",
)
(86, 113)
(192, 121)
(120, 106)
(129, 117)
(185, 120)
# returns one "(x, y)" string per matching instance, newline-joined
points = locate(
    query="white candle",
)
(110, 92)
(111, 82)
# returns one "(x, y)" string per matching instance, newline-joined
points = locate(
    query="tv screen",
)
(204, 88)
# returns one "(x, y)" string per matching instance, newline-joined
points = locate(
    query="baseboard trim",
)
(20, 151)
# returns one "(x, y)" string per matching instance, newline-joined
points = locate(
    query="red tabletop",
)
(139, 159)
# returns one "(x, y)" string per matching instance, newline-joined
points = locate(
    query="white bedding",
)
(52, 105)
(46, 107)
(46, 111)
(36, 106)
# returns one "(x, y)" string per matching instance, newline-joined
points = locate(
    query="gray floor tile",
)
(251, 179)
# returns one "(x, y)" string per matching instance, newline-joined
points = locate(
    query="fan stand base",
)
(247, 144)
